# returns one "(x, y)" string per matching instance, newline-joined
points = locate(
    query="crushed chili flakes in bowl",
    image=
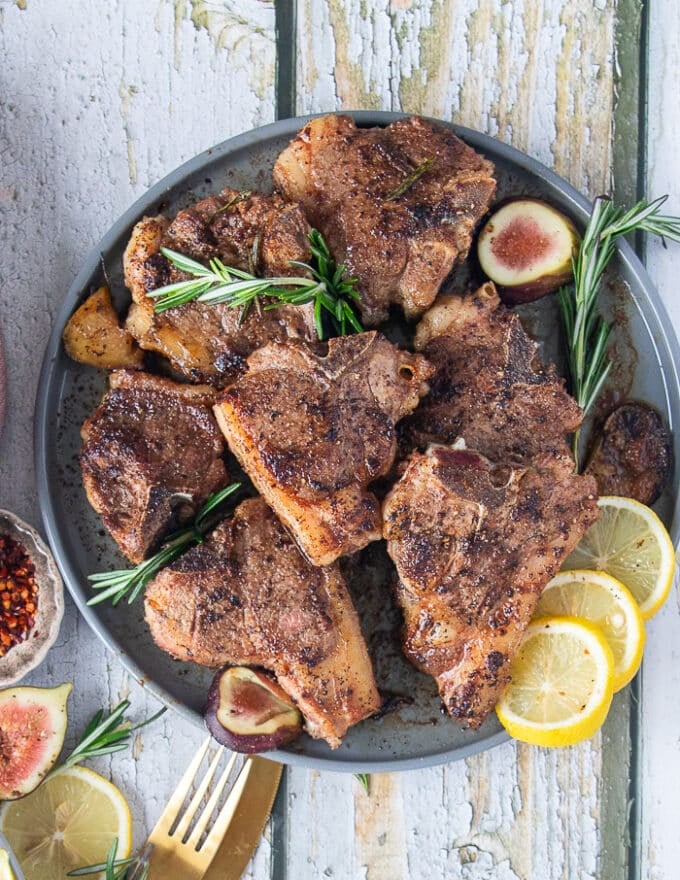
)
(18, 593)
(31, 598)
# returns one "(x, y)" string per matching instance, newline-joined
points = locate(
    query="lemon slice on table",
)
(69, 821)
(630, 543)
(602, 600)
(6, 872)
(561, 683)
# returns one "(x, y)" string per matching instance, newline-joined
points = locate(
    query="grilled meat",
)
(489, 386)
(312, 432)
(210, 343)
(400, 247)
(247, 596)
(474, 544)
(633, 454)
(151, 456)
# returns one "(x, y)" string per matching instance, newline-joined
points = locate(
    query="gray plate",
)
(417, 735)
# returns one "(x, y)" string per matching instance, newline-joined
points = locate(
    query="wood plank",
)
(660, 849)
(97, 106)
(540, 76)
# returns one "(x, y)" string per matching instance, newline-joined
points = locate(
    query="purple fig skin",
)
(526, 293)
(250, 743)
(502, 249)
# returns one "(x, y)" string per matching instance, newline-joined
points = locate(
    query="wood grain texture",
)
(540, 76)
(99, 101)
(660, 850)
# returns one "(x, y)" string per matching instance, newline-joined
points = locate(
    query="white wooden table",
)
(98, 100)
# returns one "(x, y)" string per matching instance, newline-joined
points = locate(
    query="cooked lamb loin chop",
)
(489, 386)
(151, 456)
(246, 596)
(474, 544)
(402, 246)
(210, 343)
(312, 432)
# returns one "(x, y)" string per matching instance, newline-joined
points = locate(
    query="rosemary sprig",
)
(409, 180)
(327, 288)
(116, 869)
(129, 582)
(586, 331)
(104, 735)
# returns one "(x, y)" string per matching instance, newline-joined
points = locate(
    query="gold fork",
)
(177, 851)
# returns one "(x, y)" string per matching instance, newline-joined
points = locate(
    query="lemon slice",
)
(605, 602)
(6, 872)
(69, 821)
(561, 683)
(630, 543)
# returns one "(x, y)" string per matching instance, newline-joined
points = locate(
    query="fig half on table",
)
(249, 712)
(33, 725)
(526, 248)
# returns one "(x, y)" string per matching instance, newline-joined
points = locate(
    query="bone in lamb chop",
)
(399, 245)
(313, 432)
(474, 544)
(151, 456)
(489, 386)
(246, 596)
(210, 343)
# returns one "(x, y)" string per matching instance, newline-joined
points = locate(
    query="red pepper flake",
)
(18, 596)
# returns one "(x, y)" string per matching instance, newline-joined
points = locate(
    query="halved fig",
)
(526, 247)
(32, 728)
(248, 711)
(633, 454)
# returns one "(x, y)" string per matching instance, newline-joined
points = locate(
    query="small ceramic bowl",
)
(25, 656)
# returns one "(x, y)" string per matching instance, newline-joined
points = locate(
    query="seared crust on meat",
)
(210, 343)
(489, 386)
(151, 456)
(633, 454)
(312, 432)
(246, 596)
(474, 544)
(400, 247)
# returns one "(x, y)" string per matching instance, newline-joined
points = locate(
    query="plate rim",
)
(666, 338)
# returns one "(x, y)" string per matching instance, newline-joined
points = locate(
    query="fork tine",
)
(205, 816)
(226, 814)
(199, 794)
(174, 805)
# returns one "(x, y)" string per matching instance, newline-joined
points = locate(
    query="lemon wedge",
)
(69, 821)
(6, 872)
(605, 602)
(630, 543)
(561, 683)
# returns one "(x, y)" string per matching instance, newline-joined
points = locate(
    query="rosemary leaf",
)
(234, 200)
(408, 181)
(115, 585)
